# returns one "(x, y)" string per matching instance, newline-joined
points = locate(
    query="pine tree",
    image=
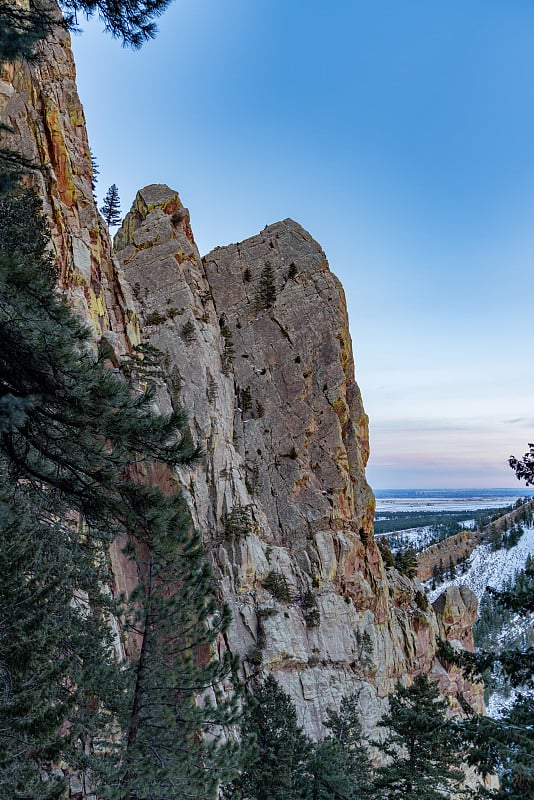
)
(95, 172)
(277, 752)
(420, 746)
(111, 210)
(176, 611)
(56, 656)
(267, 290)
(340, 765)
(504, 745)
(406, 562)
(21, 29)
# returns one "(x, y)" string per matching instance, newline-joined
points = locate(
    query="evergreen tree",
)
(505, 745)
(267, 291)
(59, 682)
(66, 422)
(111, 210)
(277, 752)
(406, 562)
(330, 773)
(22, 28)
(176, 611)
(95, 172)
(340, 765)
(420, 746)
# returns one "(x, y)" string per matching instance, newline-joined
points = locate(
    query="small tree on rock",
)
(111, 209)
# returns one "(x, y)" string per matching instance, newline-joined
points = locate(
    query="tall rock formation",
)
(255, 345)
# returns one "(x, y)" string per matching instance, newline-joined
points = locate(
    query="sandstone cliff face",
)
(256, 346)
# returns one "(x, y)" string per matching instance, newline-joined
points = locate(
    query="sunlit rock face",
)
(40, 104)
(255, 345)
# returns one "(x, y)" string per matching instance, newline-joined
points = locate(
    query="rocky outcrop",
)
(439, 557)
(457, 611)
(456, 549)
(255, 345)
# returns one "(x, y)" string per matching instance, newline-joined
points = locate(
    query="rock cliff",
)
(255, 345)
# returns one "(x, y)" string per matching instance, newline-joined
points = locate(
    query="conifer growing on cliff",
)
(111, 209)
(81, 452)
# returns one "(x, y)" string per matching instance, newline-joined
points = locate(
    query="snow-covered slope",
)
(487, 567)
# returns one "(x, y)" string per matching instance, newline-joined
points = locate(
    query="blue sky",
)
(401, 135)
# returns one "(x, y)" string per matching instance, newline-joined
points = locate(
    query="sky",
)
(401, 136)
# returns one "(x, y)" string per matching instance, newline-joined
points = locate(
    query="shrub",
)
(312, 615)
(228, 354)
(255, 656)
(155, 318)
(238, 524)
(277, 585)
(188, 332)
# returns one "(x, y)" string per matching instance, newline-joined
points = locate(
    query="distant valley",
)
(481, 539)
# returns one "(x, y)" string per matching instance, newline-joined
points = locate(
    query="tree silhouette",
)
(111, 209)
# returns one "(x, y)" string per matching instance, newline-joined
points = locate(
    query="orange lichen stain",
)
(362, 434)
(307, 377)
(345, 352)
(59, 155)
(342, 410)
(312, 427)
(341, 459)
(344, 508)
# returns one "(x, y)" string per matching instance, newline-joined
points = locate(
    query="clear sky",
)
(401, 135)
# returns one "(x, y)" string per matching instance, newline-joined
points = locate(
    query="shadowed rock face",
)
(256, 347)
(303, 427)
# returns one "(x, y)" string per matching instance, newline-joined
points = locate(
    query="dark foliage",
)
(277, 752)
(421, 745)
(341, 766)
(111, 209)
